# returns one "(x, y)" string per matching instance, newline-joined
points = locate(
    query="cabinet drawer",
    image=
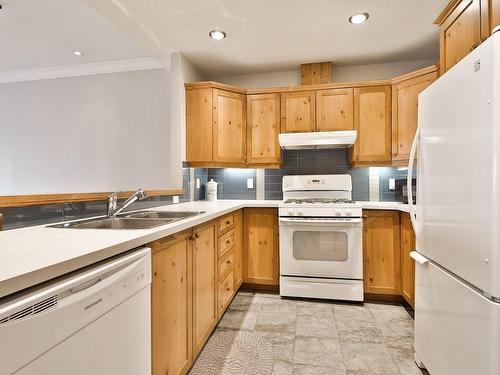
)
(226, 291)
(225, 263)
(225, 223)
(225, 242)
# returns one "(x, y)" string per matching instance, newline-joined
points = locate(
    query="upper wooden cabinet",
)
(171, 304)
(298, 112)
(261, 246)
(372, 120)
(494, 13)
(405, 91)
(334, 109)
(381, 252)
(199, 141)
(263, 127)
(463, 25)
(229, 117)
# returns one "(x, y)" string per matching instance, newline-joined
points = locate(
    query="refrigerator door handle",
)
(419, 258)
(409, 181)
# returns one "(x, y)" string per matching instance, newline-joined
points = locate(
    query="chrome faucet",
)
(113, 200)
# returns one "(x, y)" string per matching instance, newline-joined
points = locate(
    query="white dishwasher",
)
(95, 321)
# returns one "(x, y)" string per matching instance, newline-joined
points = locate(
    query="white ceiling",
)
(43, 33)
(263, 35)
(268, 35)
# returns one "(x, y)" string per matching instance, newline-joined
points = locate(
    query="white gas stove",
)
(320, 238)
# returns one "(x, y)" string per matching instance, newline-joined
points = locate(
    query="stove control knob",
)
(300, 212)
(348, 213)
(338, 213)
(291, 212)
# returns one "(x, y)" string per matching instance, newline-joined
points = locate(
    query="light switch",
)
(392, 183)
(249, 183)
(175, 199)
(197, 183)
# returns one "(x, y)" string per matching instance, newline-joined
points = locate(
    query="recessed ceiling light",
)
(217, 34)
(78, 53)
(358, 18)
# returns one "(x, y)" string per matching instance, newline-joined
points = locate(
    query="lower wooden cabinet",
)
(204, 284)
(381, 252)
(171, 296)
(261, 263)
(225, 292)
(238, 249)
(407, 263)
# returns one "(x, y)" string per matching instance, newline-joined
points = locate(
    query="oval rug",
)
(235, 353)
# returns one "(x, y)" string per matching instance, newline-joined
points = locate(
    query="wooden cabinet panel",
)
(263, 127)
(225, 293)
(225, 263)
(381, 252)
(298, 112)
(261, 246)
(199, 125)
(372, 120)
(229, 117)
(225, 223)
(204, 284)
(407, 263)
(171, 305)
(226, 242)
(334, 109)
(404, 113)
(238, 249)
(494, 13)
(460, 32)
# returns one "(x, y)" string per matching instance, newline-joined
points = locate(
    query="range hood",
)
(336, 139)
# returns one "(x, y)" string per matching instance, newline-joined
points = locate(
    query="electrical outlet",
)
(175, 199)
(392, 183)
(197, 183)
(249, 183)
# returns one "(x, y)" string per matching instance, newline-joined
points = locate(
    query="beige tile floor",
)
(315, 337)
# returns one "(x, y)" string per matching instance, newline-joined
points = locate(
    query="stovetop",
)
(318, 201)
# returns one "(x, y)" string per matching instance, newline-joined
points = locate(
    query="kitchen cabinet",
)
(204, 284)
(238, 249)
(171, 308)
(372, 120)
(199, 141)
(381, 252)
(407, 263)
(405, 91)
(494, 13)
(463, 25)
(261, 263)
(263, 127)
(334, 109)
(298, 111)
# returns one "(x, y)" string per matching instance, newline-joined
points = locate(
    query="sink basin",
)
(174, 215)
(114, 223)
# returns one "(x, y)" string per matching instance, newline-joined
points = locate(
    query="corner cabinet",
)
(298, 112)
(263, 127)
(372, 120)
(381, 252)
(407, 263)
(261, 246)
(405, 91)
(171, 312)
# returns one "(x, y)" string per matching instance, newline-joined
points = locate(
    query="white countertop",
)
(29, 256)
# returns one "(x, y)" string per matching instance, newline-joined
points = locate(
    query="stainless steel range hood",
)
(336, 139)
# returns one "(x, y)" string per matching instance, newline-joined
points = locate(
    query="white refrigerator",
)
(456, 218)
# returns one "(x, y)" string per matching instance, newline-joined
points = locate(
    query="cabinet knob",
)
(197, 235)
(228, 242)
(228, 262)
(228, 222)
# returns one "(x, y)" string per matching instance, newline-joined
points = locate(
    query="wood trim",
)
(1, 221)
(445, 13)
(38, 199)
(416, 73)
(486, 20)
(214, 85)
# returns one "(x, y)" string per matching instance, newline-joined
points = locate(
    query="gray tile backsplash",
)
(232, 182)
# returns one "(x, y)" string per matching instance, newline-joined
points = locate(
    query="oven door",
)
(322, 247)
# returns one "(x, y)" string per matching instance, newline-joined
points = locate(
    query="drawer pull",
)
(228, 262)
(228, 289)
(228, 242)
(228, 222)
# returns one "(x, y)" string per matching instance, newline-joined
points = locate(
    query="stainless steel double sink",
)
(130, 220)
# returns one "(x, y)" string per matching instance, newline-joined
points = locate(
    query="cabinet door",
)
(229, 116)
(199, 125)
(204, 284)
(407, 263)
(238, 249)
(171, 305)
(494, 13)
(404, 113)
(334, 110)
(261, 246)
(263, 127)
(372, 120)
(381, 252)
(460, 33)
(298, 112)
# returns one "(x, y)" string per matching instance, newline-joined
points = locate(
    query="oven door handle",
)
(321, 221)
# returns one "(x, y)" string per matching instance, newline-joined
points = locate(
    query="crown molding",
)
(115, 66)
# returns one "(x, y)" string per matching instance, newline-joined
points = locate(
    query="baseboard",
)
(248, 287)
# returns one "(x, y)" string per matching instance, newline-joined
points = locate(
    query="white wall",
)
(92, 133)
(340, 74)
